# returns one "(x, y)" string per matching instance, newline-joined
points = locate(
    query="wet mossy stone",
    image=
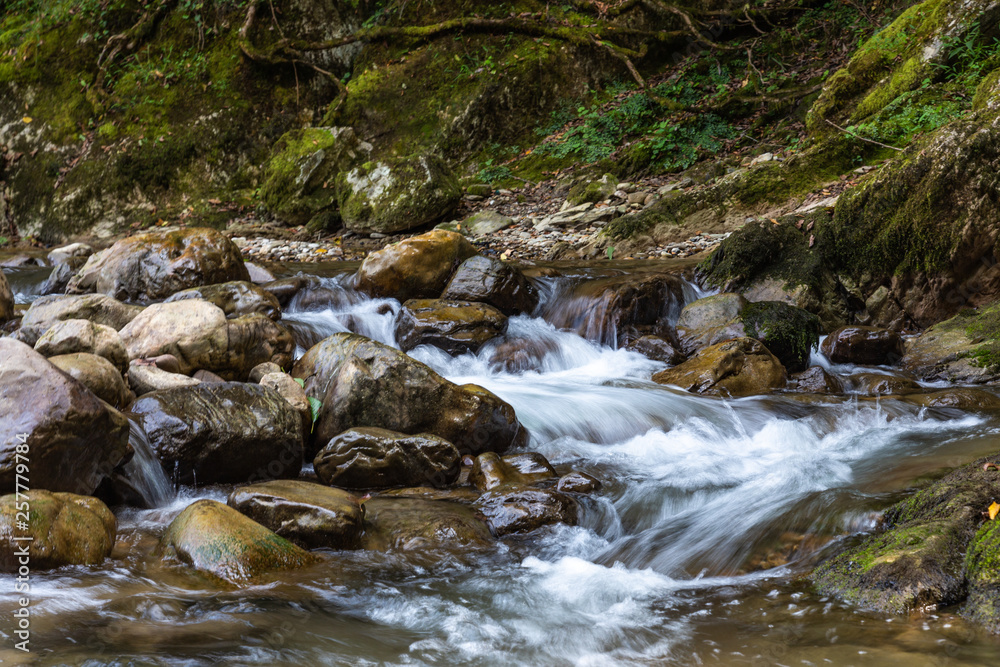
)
(66, 529)
(300, 178)
(964, 349)
(737, 367)
(456, 327)
(593, 191)
(982, 571)
(790, 333)
(217, 539)
(396, 194)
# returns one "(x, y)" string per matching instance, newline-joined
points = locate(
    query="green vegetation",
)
(790, 333)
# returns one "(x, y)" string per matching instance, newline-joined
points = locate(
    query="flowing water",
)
(692, 553)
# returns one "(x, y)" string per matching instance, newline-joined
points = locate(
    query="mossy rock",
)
(982, 571)
(396, 194)
(735, 368)
(964, 349)
(218, 540)
(300, 178)
(593, 191)
(67, 529)
(790, 333)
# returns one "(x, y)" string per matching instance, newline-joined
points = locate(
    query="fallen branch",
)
(857, 136)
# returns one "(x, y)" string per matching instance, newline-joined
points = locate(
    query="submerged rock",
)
(154, 265)
(222, 432)
(235, 298)
(967, 399)
(578, 482)
(411, 524)
(218, 540)
(863, 345)
(453, 326)
(72, 336)
(739, 367)
(74, 440)
(308, 514)
(493, 282)
(879, 384)
(66, 529)
(417, 268)
(657, 348)
(370, 458)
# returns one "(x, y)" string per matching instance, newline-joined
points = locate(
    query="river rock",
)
(65, 253)
(97, 308)
(453, 326)
(72, 336)
(517, 355)
(144, 377)
(285, 289)
(522, 510)
(364, 383)
(258, 372)
(410, 524)
(6, 299)
(154, 265)
(966, 399)
(60, 276)
(416, 268)
(863, 345)
(198, 334)
(490, 471)
(372, 458)
(291, 391)
(228, 432)
(485, 222)
(67, 529)
(308, 514)
(789, 333)
(959, 350)
(738, 367)
(578, 482)
(74, 439)
(396, 194)
(216, 539)
(235, 298)
(493, 282)
(709, 321)
(98, 375)
(917, 560)
(878, 384)
(657, 348)
(816, 380)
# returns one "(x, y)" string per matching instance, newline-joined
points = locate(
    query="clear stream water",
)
(665, 568)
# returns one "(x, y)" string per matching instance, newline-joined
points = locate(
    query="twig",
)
(857, 136)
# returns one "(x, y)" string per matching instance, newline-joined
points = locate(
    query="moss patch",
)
(790, 333)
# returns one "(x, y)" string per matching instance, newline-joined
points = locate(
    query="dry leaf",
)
(994, 510)
(27, 119)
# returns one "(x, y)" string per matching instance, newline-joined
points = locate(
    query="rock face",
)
(6, 299)
(417, 268)
(307, 514)
(929, 554)
(198, 334)
(372, 458)
(222, 432)
(364, 383)
(962, 350)
(67, 529)
(739, 367)
(96, 374)
(72, 336)
(411, 524)
(97, 308)
(218, 540)
(491, 281)
(154, 265)
(395, 194)
(454, 326)
(863, 345)
(74, 439)
(235, 298)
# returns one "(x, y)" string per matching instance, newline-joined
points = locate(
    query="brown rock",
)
(739, 367)
(863, 345)
(418, 267)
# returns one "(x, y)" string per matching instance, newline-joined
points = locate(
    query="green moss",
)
(790, 333)
(986, 90)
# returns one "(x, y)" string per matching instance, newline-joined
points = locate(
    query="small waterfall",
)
(143, 478)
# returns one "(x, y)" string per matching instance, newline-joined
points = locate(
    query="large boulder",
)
(396, 194)
(738, 367)
(73, 336)
(454, 326)
(412, 524)
(964, 349)
(6, 299)
(371, 458)
(97, 308)
(308, 514)
(70, 438)
(863, 345)
(198, 334)
(299, 179)
(235, 298)
(222, 432)
(361, 382)
(491, 281)
(417, 268)
(96, 374)
(218, 540)
(710, 321)
(151, 266)
(65, 529)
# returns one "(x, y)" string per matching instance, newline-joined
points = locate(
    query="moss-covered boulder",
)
(235, 298)
(72, 336)
(98, 375)
(918, 559)
(738, 367)
(65, 529)
(213, 538)
(790, 333)
(308, 514)
(152, 266)
(456, 327)
(593, 191)
(417, 268)
(300, 179)
(964, 349)
(982, 573)
(396, 194)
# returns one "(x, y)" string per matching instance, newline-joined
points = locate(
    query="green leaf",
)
(611, 252)
(314, 406)
(301, 382)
